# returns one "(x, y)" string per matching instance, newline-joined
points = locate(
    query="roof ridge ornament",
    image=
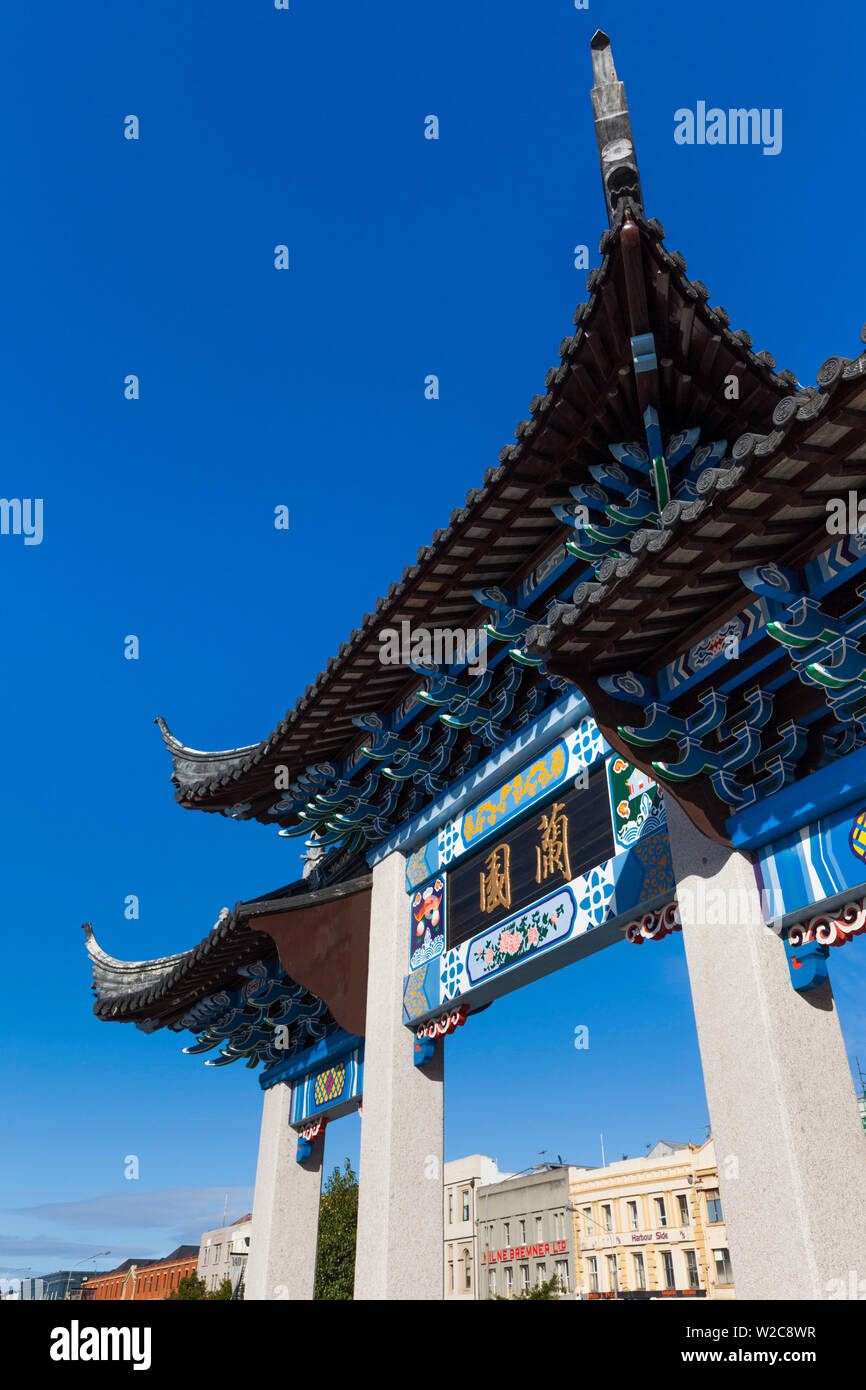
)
(619, 171)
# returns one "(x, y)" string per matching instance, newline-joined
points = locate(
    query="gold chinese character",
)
(496, 882)
(552, 854)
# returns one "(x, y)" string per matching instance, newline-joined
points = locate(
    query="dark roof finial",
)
(619, 171)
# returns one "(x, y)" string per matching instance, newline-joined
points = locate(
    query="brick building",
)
(140, 1280)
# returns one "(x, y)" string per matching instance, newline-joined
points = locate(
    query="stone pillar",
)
(285, 1231)
(788, 1138)
(400, 1231)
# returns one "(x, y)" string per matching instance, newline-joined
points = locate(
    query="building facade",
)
(222, 1254)
(526, 1234)
(62, 1284)
(652, 1227)
(463, 1178)
(143, 1280)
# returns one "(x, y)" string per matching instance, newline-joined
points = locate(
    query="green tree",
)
(189, 1287)
(549, 1289)
(223, 1292)
(338, 1220)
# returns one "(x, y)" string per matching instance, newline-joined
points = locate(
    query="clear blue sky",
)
(305, 388)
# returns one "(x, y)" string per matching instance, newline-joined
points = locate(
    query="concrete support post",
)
(788, 1137)
(400, 1236)
(285, 1231)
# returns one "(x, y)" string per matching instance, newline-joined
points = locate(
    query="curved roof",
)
(160, 993)
(507, 527)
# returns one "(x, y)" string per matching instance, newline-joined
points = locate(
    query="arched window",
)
(467, 1270)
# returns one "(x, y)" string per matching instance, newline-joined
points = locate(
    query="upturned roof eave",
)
(215, 781)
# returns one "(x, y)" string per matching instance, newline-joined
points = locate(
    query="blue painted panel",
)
(840, 784)
(330, 1090)
(815, 862)
(337, 1044)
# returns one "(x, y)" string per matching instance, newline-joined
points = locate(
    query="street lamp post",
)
(85, 1261)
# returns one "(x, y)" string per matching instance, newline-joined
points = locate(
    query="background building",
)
(223, 1253)
(62, 1284)
(463, 1178)
(526, 1231)
(652, 1226)
(141, 1280)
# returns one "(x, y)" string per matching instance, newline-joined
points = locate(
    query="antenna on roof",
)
(619, 171)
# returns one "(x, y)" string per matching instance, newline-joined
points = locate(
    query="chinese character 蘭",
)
(552, 854)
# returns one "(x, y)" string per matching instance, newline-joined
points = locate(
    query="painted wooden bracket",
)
(807, 963)
(807, 944)
(427, 1033)
(308, 1136)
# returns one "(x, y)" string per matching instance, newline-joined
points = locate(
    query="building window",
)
(724, 1273)
(639, 1271)
(522, 1237)
(451, 1276)
(587, 1220)
(632, 1216)
(538, 1230)
(714, 1206)
(668, 1267)
(607, 1218)
(465, 1206)
(506, 1226)
(467, 1270)
(683, 1202)
(692, 1269)
(592, 1264)
(524, 1277)
(509, 1280)
(216, 1254)
(541, 1273)
(661, 1214)
(205, 1254)
(491, 1283)
(562, 1275)
(612, 1276)
(450, 1208)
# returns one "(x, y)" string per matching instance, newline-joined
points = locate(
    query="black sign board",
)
(562, 838)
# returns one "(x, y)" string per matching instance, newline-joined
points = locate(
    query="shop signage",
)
(525, 1252)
